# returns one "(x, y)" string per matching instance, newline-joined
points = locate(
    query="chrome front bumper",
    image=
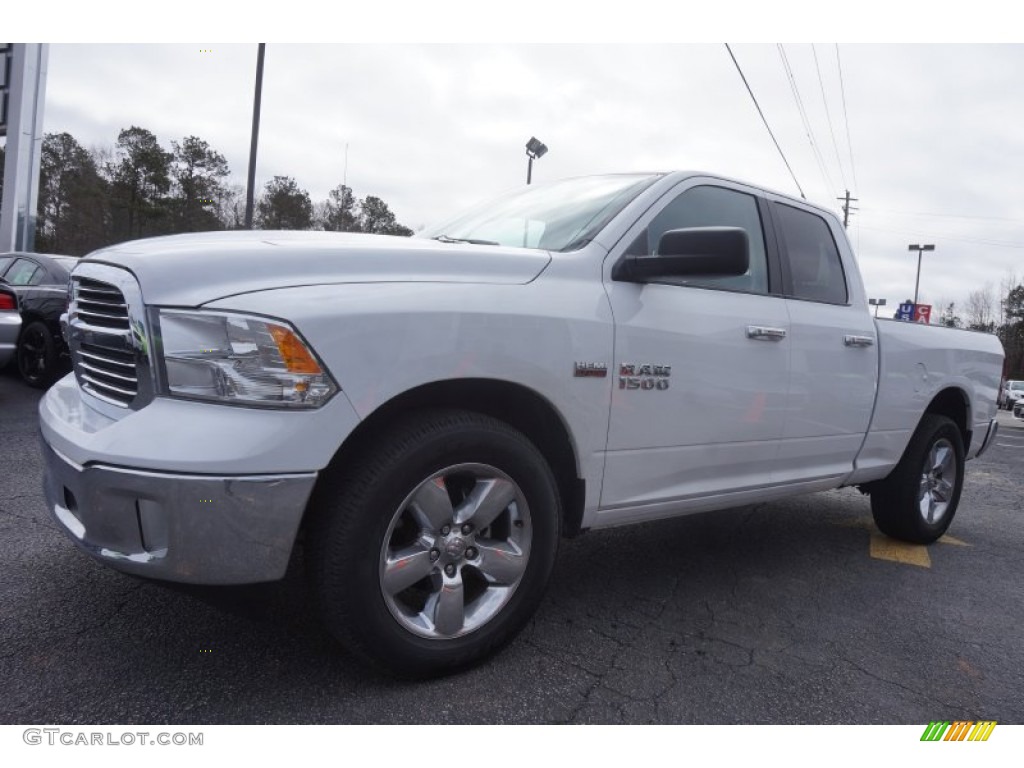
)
(188, 528)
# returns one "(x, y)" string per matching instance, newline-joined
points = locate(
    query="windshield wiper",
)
(447, 239)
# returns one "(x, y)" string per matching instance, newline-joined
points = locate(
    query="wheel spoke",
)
(924, 503)
(944, 460)
(449, 609)
(488, 499)
(943, 490)
(500, 562)
(405, 567)
(431, 505)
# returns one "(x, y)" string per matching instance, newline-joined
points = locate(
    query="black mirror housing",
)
(694, 252)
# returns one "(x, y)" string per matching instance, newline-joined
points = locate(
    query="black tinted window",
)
(24, 272)
(814, 262)
(716, 207)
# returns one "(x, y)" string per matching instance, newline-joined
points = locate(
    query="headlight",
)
(240, 359)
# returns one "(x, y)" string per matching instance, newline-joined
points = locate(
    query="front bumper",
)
(178, 527)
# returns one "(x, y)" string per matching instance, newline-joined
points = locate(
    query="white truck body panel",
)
(741, 419)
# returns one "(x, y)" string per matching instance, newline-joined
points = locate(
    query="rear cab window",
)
(815, 267)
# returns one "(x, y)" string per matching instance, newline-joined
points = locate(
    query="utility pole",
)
(257, 98)
(846, 207)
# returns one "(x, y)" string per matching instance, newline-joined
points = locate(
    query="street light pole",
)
(920, 250)
(534, 150)
(257, 98)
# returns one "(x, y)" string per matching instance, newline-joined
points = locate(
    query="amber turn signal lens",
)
(294, 353)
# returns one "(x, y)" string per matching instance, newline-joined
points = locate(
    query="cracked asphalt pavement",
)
(767, 614)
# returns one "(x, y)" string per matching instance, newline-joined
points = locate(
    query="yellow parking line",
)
(884, 548)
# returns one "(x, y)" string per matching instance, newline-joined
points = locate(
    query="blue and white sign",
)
(905, 312)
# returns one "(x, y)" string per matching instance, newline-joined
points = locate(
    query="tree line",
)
(989, 312)
(90, 198)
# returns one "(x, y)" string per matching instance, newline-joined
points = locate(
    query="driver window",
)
(715, 207)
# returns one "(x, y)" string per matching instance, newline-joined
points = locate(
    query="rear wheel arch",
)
(954, 404)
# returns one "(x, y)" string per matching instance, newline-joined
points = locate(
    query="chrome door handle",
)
(762, 333)
(858, 341)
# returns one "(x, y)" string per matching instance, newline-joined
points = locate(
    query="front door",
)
(701, 366)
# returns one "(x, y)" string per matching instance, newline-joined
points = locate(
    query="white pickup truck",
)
(432, 413)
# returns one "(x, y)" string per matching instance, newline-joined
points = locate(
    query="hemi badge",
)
(598, 370)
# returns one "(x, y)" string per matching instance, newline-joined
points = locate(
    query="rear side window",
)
(4, 263)
(814, 262)
(24, 272)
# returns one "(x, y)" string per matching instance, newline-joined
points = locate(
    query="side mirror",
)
(695, 252)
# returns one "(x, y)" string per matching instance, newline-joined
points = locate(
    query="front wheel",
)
(433, 550)
(917, 501)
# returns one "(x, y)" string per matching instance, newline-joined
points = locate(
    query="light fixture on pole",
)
(534, 150)
(876, 303)
(920, 250)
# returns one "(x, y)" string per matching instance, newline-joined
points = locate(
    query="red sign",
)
(923, 313)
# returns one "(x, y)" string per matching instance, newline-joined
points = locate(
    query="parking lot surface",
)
(789, 612)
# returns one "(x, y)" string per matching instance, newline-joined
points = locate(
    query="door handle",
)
(763, 333)
(858, 341)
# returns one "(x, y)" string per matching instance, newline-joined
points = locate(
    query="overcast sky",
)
(935, 130)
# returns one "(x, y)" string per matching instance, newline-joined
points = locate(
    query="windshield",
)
(561, 216)
(1017, 386)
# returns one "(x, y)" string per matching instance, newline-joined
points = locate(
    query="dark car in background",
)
(40, 282)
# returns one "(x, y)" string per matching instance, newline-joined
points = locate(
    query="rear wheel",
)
(918, 500)
(433, 550)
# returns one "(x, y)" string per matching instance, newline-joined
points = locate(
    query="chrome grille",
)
(107, 336)
(110, 372)
(100, 305)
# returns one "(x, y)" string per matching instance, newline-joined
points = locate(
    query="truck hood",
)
(189, 270)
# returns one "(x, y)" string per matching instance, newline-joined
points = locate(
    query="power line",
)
(846, 118)
(943, 215)
(938, 236)
(828, 116)
(763, 118)
(803, 117)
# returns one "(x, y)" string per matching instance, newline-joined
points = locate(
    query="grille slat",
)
(108, 372)
(133, 380)
(106, 388)
(101, 305)
(104, 360)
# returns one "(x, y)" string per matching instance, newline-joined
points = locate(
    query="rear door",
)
(834, 369)
(701, 366)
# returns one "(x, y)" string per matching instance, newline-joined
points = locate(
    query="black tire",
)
(918, 500)
(37, 355)
(362, 513)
